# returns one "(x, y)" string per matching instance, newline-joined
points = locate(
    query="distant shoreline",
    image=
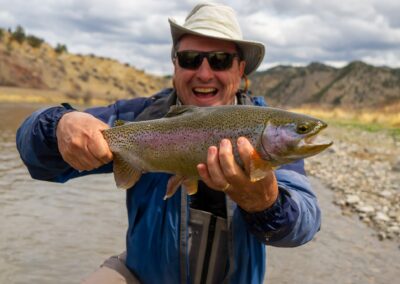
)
(370, 120)
(19, 95)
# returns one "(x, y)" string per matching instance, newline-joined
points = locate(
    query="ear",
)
(242, 65)
(174, 73)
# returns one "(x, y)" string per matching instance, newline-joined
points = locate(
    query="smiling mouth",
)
(205, 92)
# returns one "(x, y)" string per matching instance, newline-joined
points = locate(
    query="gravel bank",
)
(363, 170)
(345, 251)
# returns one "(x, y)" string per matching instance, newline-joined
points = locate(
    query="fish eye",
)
(303, 128)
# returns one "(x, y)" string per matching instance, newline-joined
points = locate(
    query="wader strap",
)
(183, 238)
(230, 207)
(208, 248)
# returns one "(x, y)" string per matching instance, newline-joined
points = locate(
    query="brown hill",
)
(25, 65)
(28, 62)
(356, 86)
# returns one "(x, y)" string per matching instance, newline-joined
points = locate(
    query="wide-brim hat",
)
(220, 22)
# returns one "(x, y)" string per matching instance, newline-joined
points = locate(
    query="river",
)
(59, 233)
(53, 233)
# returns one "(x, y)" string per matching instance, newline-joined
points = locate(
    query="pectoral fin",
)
(124, 174)
(190, 186)
(258, 167)
(173, 183)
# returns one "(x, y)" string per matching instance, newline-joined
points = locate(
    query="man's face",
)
(204, 86)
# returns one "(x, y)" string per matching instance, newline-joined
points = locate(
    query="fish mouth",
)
(313, 142)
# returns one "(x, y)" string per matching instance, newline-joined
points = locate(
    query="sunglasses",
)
(218, 60)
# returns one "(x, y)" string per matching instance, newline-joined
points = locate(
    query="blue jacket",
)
(156, 251)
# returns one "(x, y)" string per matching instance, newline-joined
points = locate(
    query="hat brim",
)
(253, 51)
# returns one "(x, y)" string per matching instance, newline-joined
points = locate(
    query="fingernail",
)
(224, 142)
(240, 141)
(211, 149)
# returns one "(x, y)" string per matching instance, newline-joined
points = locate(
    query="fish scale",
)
(179, 141)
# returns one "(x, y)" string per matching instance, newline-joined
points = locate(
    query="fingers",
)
(223, 173)
(221, 169)
(212, 173)
(245, 150)
(81, 142)
(231, 170)
(78, 155)
(99, 149)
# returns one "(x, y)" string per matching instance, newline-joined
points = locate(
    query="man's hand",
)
(81, 142)
(224, 174)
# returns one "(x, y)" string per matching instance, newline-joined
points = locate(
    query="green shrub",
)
(18, 35)
(34, 41)
(61, 48)
(1, 33)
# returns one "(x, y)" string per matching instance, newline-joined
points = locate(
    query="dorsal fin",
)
(119, 122)
(178, 110)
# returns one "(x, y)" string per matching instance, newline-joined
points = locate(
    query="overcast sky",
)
(295, 32)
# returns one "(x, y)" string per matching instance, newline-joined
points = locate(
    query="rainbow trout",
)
(179, 141)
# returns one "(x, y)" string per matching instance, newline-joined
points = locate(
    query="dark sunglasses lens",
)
(189, 59)
(220, 60)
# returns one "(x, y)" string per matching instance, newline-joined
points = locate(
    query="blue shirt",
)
(156, 251)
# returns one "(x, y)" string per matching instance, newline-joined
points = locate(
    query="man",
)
(217, 235)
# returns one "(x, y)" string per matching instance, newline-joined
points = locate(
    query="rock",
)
(394, 229)
(365, 179)
(385, 193)
(382, 236)
(365, 209)
(396, 166)
(332, 150)
(380, 216)
(352, 199)
(340, 202)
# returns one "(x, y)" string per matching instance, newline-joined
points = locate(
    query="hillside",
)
(77, 77)
(356, 86)
(29, 62)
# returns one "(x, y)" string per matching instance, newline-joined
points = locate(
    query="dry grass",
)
(387, 117)
(25, 95)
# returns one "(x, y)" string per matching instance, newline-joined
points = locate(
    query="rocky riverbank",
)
(363, 170)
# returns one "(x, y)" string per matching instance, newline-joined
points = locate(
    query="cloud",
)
(301, 31)
(294, 31)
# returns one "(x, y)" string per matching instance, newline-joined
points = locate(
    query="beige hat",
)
(219, 21)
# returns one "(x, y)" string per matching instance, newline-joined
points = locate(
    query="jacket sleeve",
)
(294, 218)
(37, 142)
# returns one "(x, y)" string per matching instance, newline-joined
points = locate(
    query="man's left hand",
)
(222, 173)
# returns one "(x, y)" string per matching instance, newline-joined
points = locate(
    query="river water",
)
(59, 233)
(53, 233)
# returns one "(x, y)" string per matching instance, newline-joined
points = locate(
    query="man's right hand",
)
(81, 142)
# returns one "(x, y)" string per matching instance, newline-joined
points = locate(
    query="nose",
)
(204, 72)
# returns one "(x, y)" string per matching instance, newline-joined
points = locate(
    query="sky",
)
(295, 32)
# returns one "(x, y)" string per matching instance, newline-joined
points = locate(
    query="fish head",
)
(288, 137)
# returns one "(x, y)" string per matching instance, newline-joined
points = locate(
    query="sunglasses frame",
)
(209, 55)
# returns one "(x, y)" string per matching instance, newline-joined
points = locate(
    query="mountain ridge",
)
(356, 85)
(76, 76)
(29, 62)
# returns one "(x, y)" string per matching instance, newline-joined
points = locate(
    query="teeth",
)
(204, 90)
(310, 139)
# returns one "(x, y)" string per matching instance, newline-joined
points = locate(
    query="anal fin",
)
(190, 186)
(173, 183)
(125, 175)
